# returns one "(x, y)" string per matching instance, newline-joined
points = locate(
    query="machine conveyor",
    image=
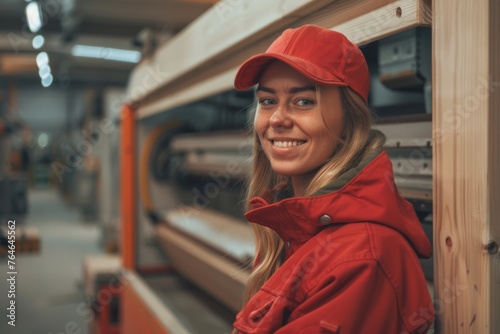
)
(155, 303)
(409, 146)
(209, 248)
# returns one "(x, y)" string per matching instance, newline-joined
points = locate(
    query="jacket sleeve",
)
(356, 298)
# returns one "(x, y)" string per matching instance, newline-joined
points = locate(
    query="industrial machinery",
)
(185, 149)
(192, 157)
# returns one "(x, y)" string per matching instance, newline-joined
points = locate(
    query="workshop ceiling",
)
(100, 23)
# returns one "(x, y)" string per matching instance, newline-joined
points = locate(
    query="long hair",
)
(356, 141)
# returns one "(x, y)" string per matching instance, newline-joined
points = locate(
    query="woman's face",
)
(297, 133)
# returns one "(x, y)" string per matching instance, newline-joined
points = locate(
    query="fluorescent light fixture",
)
(38, 41)
(42, 59)
(44, 71)
(34, 16)
(88, 51)
(43, 140)
(47, 81)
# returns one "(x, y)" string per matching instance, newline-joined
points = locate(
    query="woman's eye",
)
(304, 102)
(266, 102)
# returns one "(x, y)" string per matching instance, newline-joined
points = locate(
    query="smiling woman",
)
(336, 246)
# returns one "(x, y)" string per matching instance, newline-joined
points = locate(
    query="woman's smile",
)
(287, 143)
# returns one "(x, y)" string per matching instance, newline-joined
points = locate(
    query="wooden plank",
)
(226, 26)
(142, 311)
(493, 239)
(230, 27)
(346, 17)
(466, 159)
(385, 21)
(220, 277)
(229, 236)
(198, 313)
(214, 85)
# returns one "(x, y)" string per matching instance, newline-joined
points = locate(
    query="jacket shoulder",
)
(377, 248)
(364, 240)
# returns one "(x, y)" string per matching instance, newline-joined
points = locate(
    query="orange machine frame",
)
(128, 183)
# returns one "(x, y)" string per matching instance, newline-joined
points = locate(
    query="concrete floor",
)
(49, 291)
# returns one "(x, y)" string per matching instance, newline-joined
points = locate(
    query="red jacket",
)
(352, 260)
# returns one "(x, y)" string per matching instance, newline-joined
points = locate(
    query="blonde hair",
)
(357, 140)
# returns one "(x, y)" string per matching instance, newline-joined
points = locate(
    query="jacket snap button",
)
(325, 220)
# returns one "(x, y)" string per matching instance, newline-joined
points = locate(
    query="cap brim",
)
(249, 72)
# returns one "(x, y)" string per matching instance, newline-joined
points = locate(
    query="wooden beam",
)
(363, 21)
(466, 91)
(215, 274)
(493, 239)
(142, 311)
(203, 89)
(387, 20)
(226, 27)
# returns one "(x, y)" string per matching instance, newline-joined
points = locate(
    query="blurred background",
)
(124, 149)
(64, 66)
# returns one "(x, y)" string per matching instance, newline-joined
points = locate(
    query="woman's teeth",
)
(279, 143)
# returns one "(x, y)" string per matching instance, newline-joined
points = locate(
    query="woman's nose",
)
(280, 118)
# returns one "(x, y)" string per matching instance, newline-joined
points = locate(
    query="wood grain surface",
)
(466, 165)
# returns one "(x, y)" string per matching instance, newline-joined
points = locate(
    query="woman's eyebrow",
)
(302, 89)
(290, 90)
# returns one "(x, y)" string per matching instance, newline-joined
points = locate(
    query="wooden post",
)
(128, 187)
(466, 125)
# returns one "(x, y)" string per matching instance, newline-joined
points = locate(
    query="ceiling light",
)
(38, 41)
(47, 81)
(34, 16)
(88, 51)
(43, 140)
(44, 71)
(42, 59)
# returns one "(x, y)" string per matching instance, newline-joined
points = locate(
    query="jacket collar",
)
(366, 193)
(292, 218)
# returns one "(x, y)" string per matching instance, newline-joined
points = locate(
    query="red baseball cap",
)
(324, 56)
